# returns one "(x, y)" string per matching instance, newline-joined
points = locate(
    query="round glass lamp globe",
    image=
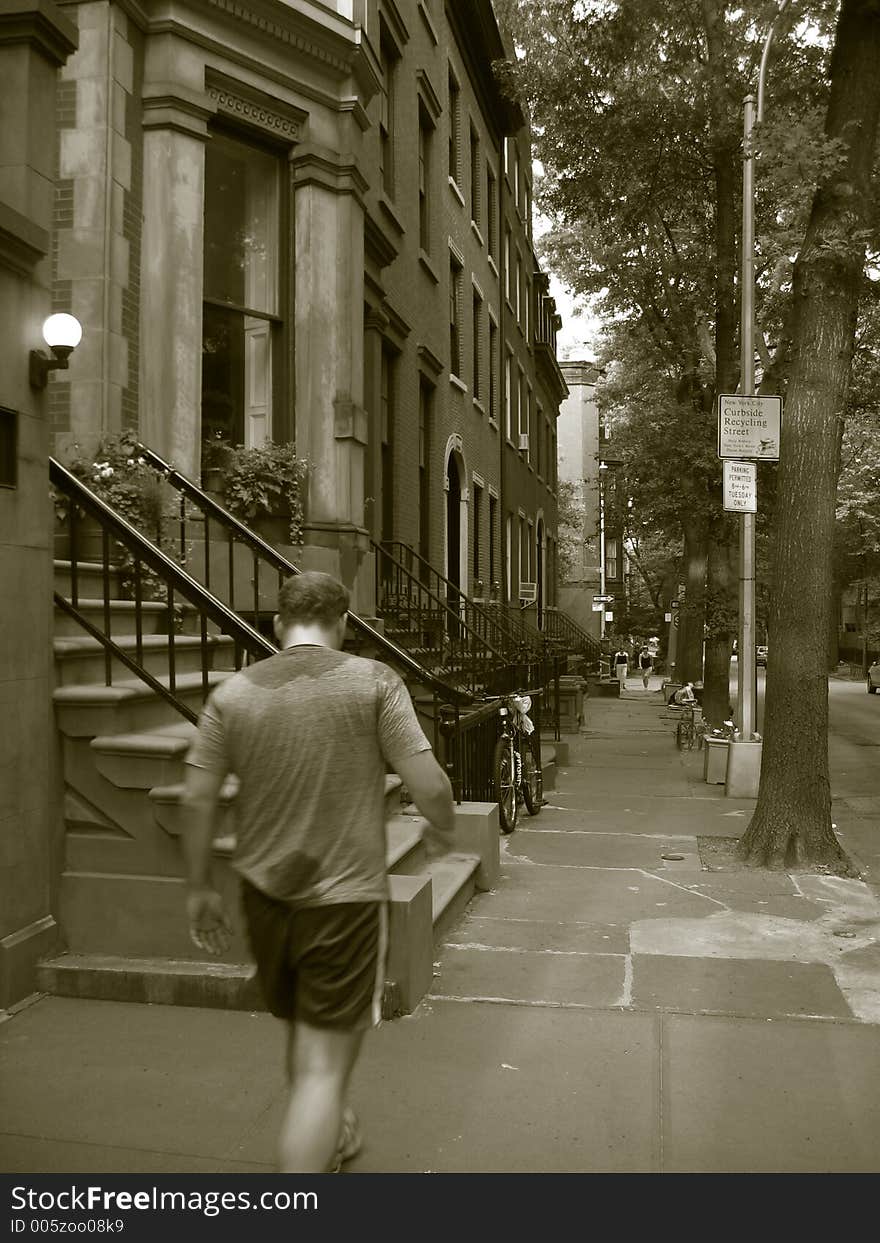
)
(63, 330)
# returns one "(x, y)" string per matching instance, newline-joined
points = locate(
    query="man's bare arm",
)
(209, 923)
(432, 794)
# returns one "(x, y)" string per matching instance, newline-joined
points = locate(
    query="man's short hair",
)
(312, 598)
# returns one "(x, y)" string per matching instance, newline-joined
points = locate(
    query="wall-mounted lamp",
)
(62, 333)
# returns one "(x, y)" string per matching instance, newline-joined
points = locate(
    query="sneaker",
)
(350, 1139)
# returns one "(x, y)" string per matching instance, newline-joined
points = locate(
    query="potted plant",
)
(265, 488)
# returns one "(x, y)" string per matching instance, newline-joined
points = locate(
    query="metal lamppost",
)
(747, 674)
(603, 467)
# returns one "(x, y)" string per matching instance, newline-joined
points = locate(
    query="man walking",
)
(309, 733)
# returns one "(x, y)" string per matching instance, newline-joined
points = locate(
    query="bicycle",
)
(515, 769)
(686, 732)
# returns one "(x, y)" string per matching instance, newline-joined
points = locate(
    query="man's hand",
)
(209, 925)
(437, 843)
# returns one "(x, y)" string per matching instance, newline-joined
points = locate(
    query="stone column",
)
(331, 429)
(35, 39)
(175, 131)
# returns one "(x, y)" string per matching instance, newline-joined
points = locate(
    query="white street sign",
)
(609, 617)
(749, 427)
(740, 487)
(597, 606)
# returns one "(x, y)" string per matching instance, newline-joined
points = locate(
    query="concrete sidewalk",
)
(606, 1008)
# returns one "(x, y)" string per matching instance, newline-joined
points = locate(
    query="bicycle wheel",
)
(681, 735)
(505, 785)
(532, 779)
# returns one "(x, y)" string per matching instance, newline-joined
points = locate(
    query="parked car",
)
(874, 678)
(761, 654)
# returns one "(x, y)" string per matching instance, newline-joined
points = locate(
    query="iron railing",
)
(504, 631)
(246, 571)
(152, 578)
(433, 626)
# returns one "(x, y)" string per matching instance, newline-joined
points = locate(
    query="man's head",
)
(312, 608)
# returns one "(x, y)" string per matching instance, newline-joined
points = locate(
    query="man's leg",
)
(320, 1061)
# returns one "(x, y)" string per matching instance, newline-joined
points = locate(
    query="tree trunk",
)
(721, 613)
(792, 821)
(692, 614)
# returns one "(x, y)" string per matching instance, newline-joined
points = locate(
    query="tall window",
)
(508, 396)
(527, 308)
(475, 178)
(493, 369)
(426, 131)
(241, 323)
(539, 441)
(517, 295)
(386, 411)
(523, 405)
(551, 470)
(530, 538)
(508, 557)
(611, 566)
(425, 394)
(477, 524)
(477, 347)
(514, 173)
(491, 212)
(454, 129)
(523, 552)
(507, 277)
(454, 316)
(493, 522)
(388, 58)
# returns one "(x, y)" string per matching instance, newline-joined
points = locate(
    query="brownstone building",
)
(312, 222)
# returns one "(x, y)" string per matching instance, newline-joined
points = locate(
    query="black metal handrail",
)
(142, 561)
(436, 629)
(468, 743)
(505, 633)
(273, 565)
(559, 625)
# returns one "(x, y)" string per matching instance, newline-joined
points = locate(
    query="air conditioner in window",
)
(523, 440)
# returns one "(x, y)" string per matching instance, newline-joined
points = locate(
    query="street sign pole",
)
(746, 670)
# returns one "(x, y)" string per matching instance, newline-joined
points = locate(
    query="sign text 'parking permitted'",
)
(749, 427)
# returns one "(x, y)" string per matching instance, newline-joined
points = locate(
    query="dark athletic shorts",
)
(322, 965)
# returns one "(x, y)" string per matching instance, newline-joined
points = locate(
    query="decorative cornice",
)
(375, 320)
(428, 94)
(22, 243)
(429, 361)
(378, 246)
(313, 165)
(358, 111)
(169, 105)
(246, 103)
(396, 25)
(296, 39)
(397, 325)
(40, 24)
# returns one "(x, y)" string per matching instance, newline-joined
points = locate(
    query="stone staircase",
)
(121, 904)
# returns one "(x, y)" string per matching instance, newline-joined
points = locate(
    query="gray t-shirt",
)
(308, 733)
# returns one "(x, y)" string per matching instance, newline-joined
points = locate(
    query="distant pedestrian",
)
(621, 664)
(646, 665)
(309, 733)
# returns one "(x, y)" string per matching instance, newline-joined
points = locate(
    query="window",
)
(426, 131)
(517, 296)
(523, 553)
(493, 370)
(539, 442)
(508, 394)
(454, 129)
(527, 303)
(507, 142)
(527, 209)
(491, 212)
(530, 564)
(508, 557)
(522, 400)
(388, 59)
(241, 324)
(552, 465)
(386, 413)
(475, 178)
(454, 316)
(8, 448)
(514, 174)
(477, 523)
(478, 347)
(493, 519)
(425, 395)
(507, 264)
(611, 568)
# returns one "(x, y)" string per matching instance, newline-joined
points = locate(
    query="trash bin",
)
(715, 761)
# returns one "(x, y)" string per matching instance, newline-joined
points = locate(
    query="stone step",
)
(89, 578)
(80, 659)
(128, 707)
(154, 617)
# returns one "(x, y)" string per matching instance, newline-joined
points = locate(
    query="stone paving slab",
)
(621, 783)
(751, 1096)
(595, 849)
(139, 1077)
(541, 891)
(537, 934)
(746, 987)
(463, 1087)
(536, 976)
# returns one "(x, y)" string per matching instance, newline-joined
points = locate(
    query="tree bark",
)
(792, 820)
(721, 610)
(692, 614)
